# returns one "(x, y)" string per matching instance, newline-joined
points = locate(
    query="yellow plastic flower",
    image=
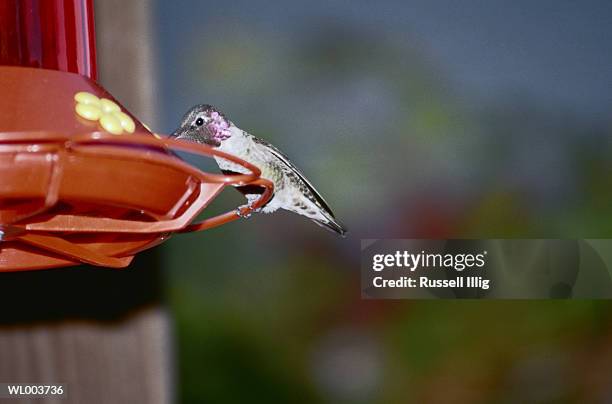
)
(110, 116)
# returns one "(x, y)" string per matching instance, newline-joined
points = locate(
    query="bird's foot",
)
(240, 211)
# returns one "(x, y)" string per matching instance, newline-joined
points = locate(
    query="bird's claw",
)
(243, 215)
(250, 211)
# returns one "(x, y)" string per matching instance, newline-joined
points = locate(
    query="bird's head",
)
(204, 124)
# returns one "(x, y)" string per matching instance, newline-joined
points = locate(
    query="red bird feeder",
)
(81, 180)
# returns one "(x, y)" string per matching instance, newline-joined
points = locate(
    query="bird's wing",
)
(293, 169)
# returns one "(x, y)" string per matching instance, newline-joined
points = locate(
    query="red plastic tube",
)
(50, 34)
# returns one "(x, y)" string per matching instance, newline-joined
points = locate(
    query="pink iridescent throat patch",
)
(218, 126)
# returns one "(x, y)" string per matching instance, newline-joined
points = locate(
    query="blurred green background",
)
(468, 119)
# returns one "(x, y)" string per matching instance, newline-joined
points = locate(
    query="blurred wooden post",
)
(104, 333)
(126, 47)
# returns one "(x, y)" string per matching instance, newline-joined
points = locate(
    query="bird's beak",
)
(177, 133)
(185, 134)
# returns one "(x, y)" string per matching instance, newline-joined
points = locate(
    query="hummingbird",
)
(292, 191)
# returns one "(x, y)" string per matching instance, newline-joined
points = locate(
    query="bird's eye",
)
(200, 122)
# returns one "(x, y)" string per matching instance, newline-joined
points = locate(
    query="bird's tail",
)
(332, 224)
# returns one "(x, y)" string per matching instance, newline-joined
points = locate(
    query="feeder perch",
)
(83, 181)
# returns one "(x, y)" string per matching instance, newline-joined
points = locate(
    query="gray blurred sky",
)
(555, 53)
